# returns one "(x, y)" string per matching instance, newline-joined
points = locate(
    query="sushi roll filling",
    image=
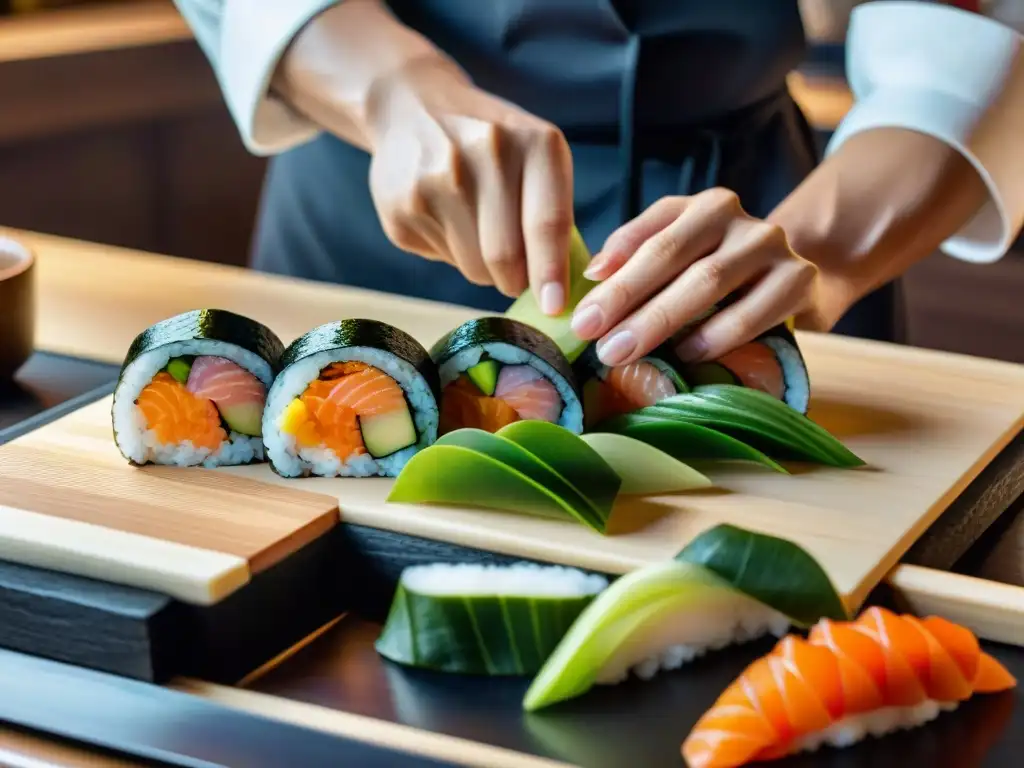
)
(351, 409)
(192, 403)
(622, 389)
(500, 386)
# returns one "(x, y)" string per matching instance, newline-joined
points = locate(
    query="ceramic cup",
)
(17, 306)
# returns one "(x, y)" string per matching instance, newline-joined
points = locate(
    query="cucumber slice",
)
(388, 433)
(485, 376)
(244, 418)
(179, 368)
(526, 310)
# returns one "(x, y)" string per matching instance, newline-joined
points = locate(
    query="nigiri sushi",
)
(192, 390)
(355, 398)
(872, 676)
(495, 371)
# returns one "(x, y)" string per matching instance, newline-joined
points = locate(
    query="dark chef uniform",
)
(656, 98)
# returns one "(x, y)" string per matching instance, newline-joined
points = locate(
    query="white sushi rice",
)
(850, 730)
(321, 461)
(515, 580)
(728, 618)
(797, 391)
(571, 416)
(141, 444)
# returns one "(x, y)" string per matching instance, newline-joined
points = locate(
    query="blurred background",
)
(112, 129)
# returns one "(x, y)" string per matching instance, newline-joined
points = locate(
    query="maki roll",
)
(847, 680)
(355, 398)
(613, 391)
(192, 388)
(484, 619)
(495, 371)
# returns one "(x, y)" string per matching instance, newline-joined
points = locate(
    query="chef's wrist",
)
(336, 67)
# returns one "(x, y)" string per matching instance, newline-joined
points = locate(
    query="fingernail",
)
(692, 349)
(593, 270)
(552, 298)
(617, 348)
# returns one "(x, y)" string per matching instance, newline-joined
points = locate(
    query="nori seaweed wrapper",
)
(503, 330)
(209, 325)
(341, 334)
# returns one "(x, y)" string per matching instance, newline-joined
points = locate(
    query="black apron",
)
(656, 98)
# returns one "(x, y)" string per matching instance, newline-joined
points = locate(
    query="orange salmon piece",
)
(176, 415)
(861, 664)
(463, 406)
(756, 366)
(639, 384)
(945, 680)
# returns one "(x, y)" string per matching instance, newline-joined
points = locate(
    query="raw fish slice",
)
(906, 656)
(756, 366)
(861, 664)
(992, 676)
(177, 416)
(959, 642)
(816, 666)
(640, 383)
(526, 390)
(945, 680)
(337, 426)
(224, 382)
(463, 406)
(727, 735)
(368, 392)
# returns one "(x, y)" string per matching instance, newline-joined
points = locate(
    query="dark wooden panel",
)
(210, 186)
(976, 309)
(94, 185)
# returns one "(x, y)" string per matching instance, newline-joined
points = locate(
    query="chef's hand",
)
(457, 175)
(666, 268)
(463, 177)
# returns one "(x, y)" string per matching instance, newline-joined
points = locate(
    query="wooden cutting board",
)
(69, 502)
(926, 422)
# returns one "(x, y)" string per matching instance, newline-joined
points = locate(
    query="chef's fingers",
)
(498, 170)
(783, 292)
(690, 295)
(698, 231)
(547, 215)
(627, 239)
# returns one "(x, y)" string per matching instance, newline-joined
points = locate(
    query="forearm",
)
(885, 200)
(334, 69)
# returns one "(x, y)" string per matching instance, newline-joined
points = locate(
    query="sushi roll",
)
(617, 390)
(878, 674)
(355, 398)
(483, 619)
(771, 363)
(495, 371)
(192, 388)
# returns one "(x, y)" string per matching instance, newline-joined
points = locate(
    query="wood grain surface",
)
(899, 408)
(70, 501)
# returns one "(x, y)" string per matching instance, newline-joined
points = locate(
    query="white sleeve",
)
(954, 75)
(244, 40)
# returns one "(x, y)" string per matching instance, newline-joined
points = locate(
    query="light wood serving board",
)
(70, 502)
(926, 422)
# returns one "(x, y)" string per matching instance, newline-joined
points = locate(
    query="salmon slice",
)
(640, 384)
(861, 664)
(177, 416)
(529, 394)
(757, 367)
(906, 656)
(992, 676)
(944, 681)
(224, 382)
(463, 406)
(817, 667)
(364, 389)
(959, 642)
(334, 402)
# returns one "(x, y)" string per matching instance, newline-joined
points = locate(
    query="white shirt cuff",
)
(254, 36)
(958, 77)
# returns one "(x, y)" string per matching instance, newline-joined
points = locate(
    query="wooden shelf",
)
(90, 29)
